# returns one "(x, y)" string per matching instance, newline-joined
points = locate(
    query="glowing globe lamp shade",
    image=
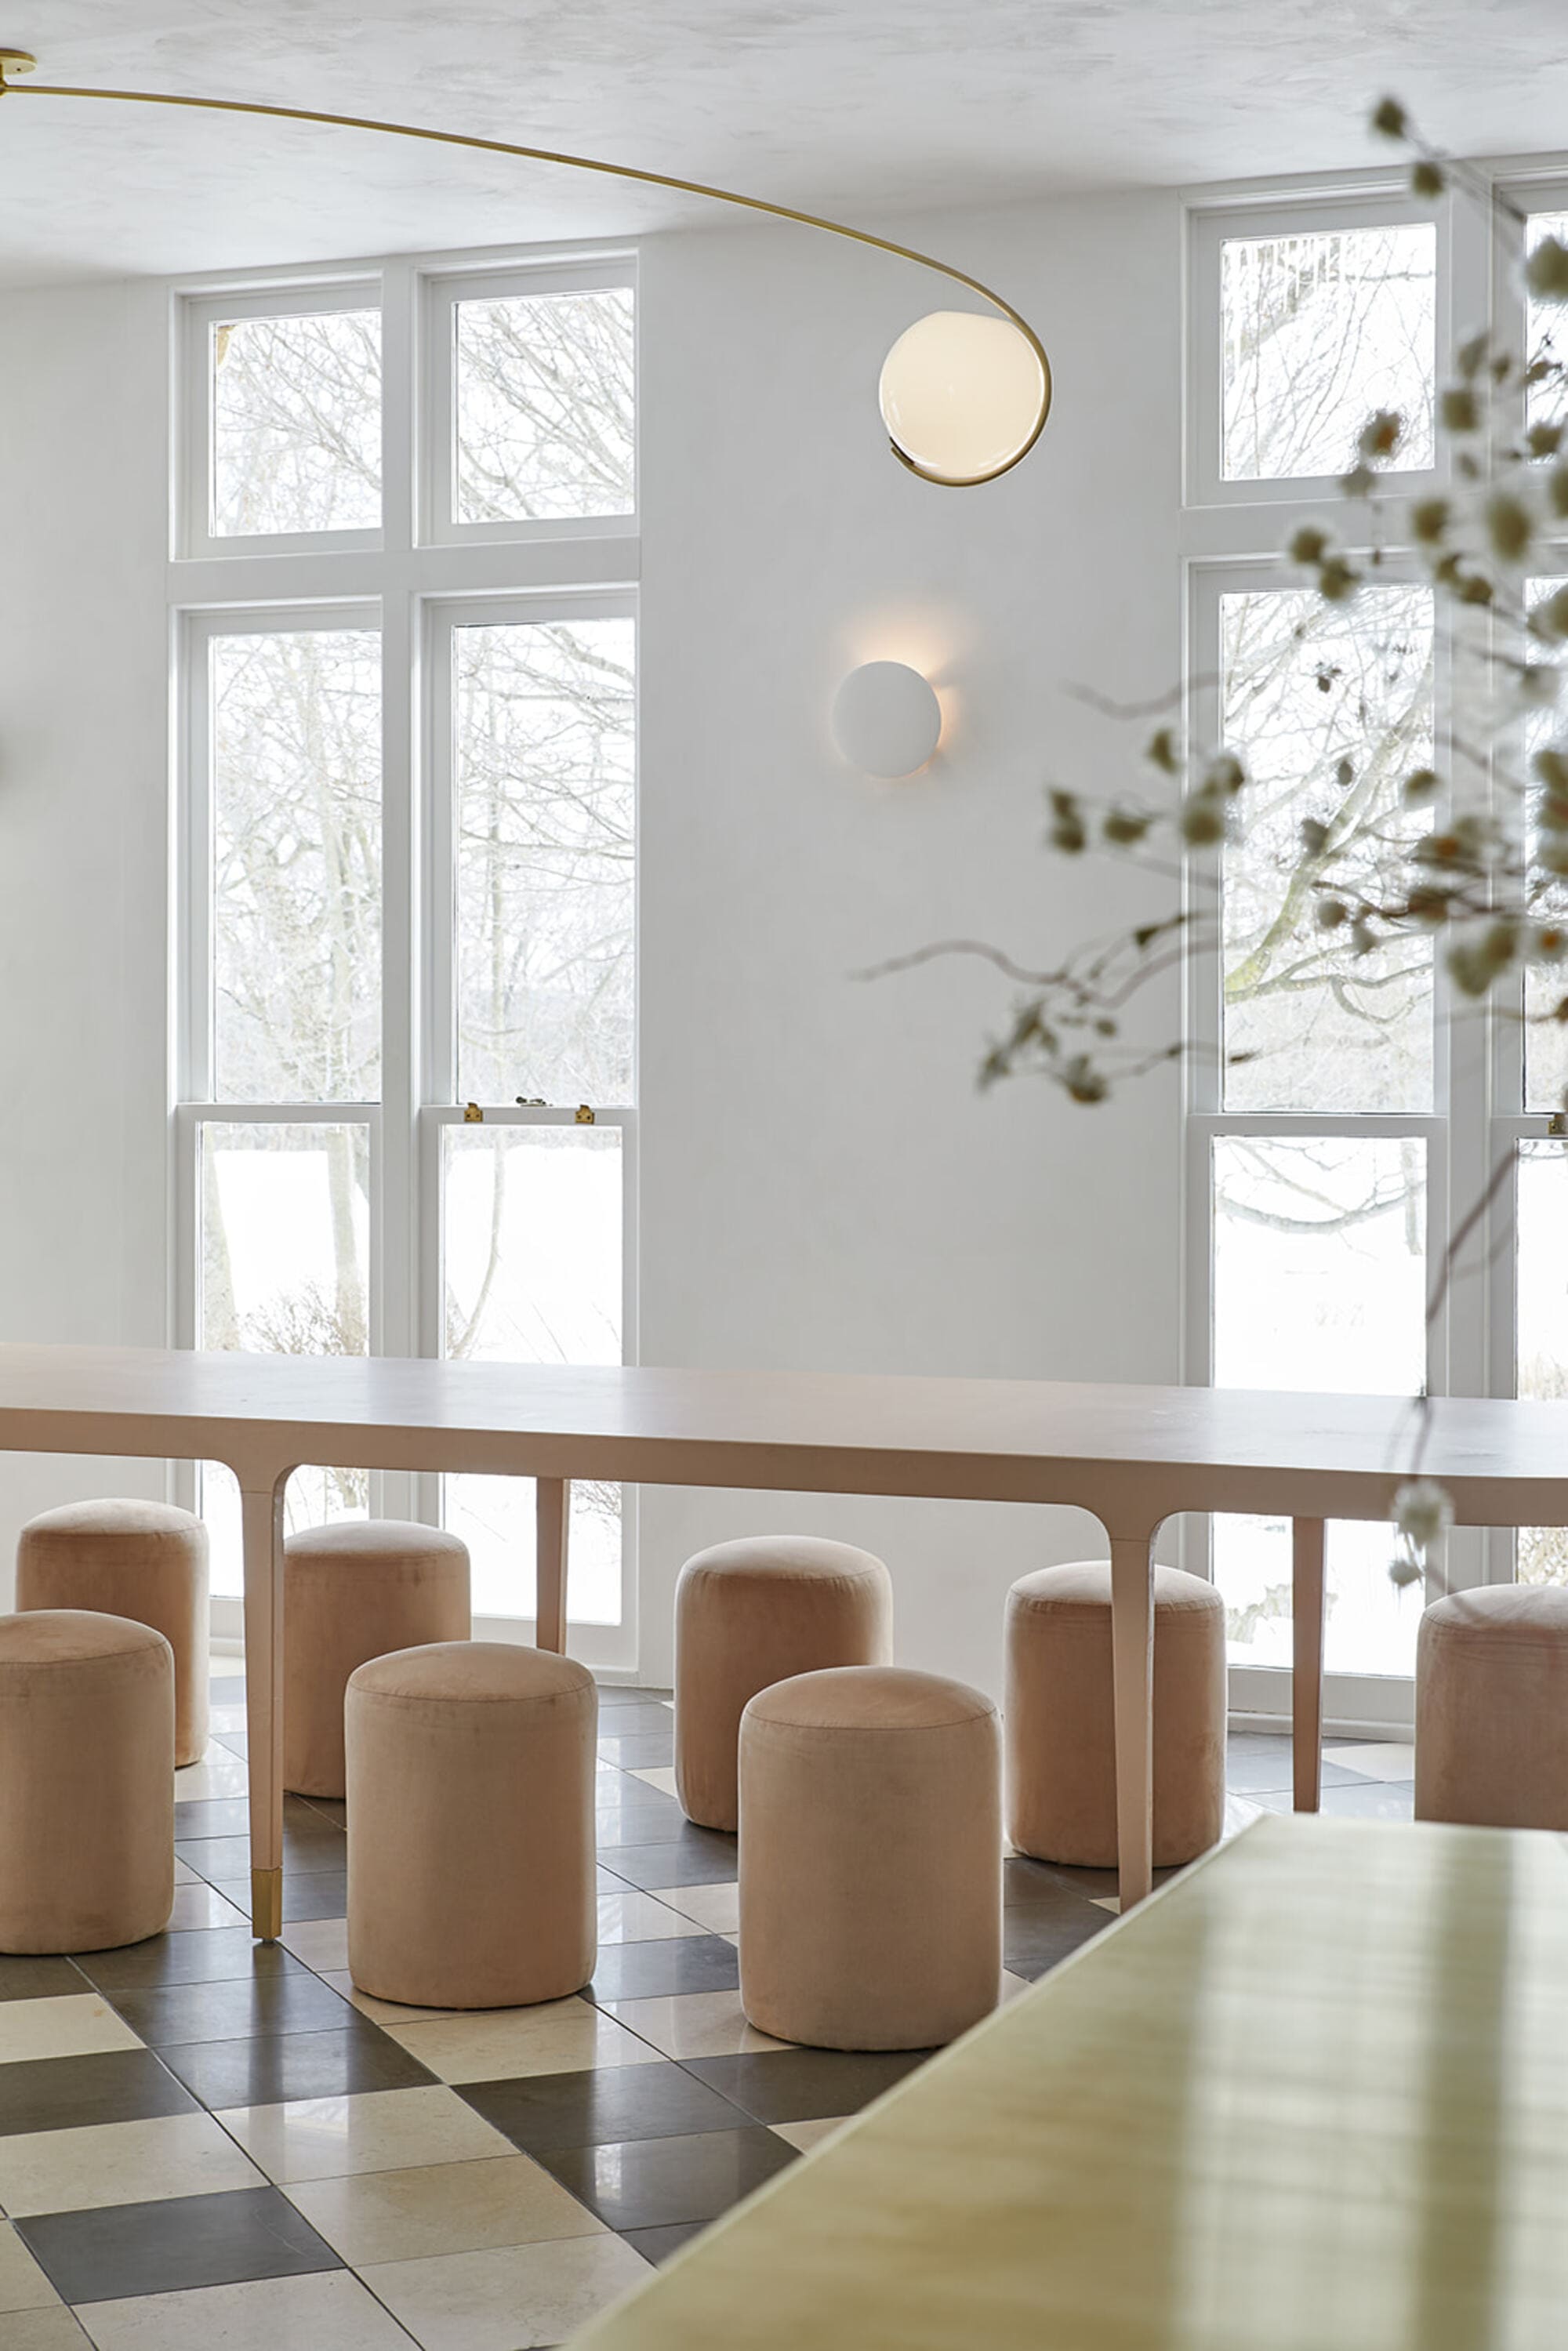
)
(964, 396)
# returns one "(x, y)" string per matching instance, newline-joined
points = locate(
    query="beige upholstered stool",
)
(870, 1895)
(87, 1781)
(1059, 1712)
(352, 1591)
(143, 1559)
(470, 1855)
(752, 1612)
(1491, 1709)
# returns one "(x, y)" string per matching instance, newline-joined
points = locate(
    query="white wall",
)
(821, 1183)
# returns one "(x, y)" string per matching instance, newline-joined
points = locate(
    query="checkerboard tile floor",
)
(207, 2141)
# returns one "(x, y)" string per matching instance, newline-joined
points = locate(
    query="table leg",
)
(1133, 1646)
(262, 1526)
(1307, 1659)
(552, 1518)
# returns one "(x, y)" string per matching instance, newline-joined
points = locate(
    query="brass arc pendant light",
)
(965, 394)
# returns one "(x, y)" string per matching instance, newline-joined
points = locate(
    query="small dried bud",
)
(1420, 784)
(1548, 943)
(1422, 1511)
(1202, 821)
(1224, 773)
(1308, 544)
(1551, 765)
(1162, 751)
(1314, 836)
(1083, 1081)
(1557, 490)
(1067, 829)
(1337, 582)
(1359, 482)
(1548, 617)
(1428, 519)
(1470, 967)
(1546, 270)
(1333, 915)
(1403, 1571)
(1472, 355)
(1344, 774)
(1511, 526)
(1539, 685)
(1125, 826)
(1389, 119)
(1544, 440)
(1426, 178)
(1380, 435)
(1474, 588)
(1458, 409)
(1427, 906)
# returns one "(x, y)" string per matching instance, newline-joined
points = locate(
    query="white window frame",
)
(1231, 538)
(413, 589)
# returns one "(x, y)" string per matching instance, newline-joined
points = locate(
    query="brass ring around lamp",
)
(963, 394)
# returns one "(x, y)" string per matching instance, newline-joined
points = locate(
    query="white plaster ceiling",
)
(866, 106)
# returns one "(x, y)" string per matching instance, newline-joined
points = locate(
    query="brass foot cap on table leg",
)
(267, 1904)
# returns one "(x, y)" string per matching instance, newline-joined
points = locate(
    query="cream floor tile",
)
(230, 1716)
(715, 1907)
(509, 2300)
(83, 2169)
(642, 1918)
(806, 2135)
(41, 2330)
(1112, 1902)
(1380, 1759)
(23, 2285)
(383, 2011)
(693, 2024)
(374, 2130)
(1011, 1986)
(560, 2036)
(444, 2207)
(321, 1943)
(197, 1904)
(73, 2024)
(327, 2311)
(661, 1776)
(218, 1774)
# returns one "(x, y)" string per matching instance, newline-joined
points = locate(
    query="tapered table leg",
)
(1307, 1601)
(553, 1513)
(1132, 1646)
(262, 1528)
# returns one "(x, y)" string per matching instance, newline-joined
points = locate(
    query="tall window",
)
(406, 550)
(1341, 1118)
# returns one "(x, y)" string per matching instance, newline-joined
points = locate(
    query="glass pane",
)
(545, 752)
(532, 1235)
(297, 867)
(1545, 986)
(1542, 1320)
(297, 424)
(284, 1234)
(1318, 1284)
(1306, 686)
(1544, 339)
(544, 406)
(1318, 331)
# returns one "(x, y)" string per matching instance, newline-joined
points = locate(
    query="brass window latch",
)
(1557, 1123)
(584, 1115)
(472, 1114)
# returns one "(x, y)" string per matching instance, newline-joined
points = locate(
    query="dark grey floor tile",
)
(620, 1716)
(213, 1816)
(200, 1955)
(1368, 1800)
(167, 2247)
(24, 1975)
(802, 2085)
(1035, 1938)
(640, 1749)
(330, 1808)
(656, 2245)
(307, 1894)
(697, 1858)
(311, 1844)
(277, 2000)
(226, 1689)
(271, 2068)
(658, 2183)
(116, 2086)
(1270, 1764)
(671, 1963)
(595, 2108)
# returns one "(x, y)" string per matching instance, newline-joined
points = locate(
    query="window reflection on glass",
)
(532, 1226)
(297, 424)
(545, 751)
(1545, 986)
(1319, 1285)
(1308, 687)
(284, 1232)
(544, 406)
(1540, 1272)
(1320, 329)
(1547, 402)
(297, 865)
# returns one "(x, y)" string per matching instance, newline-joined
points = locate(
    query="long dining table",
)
(1133, 1456)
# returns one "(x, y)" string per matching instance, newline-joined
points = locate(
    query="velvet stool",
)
(751, 1613)
(146, 1560)
(1059, 1713)
(1491, 1707)
(870, 1877)
(352, 1592)
(87, 1781)
(471, 1847)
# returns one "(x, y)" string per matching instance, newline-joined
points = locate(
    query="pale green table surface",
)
(1312, 2097)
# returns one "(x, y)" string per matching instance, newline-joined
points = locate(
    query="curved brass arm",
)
(17, 62)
